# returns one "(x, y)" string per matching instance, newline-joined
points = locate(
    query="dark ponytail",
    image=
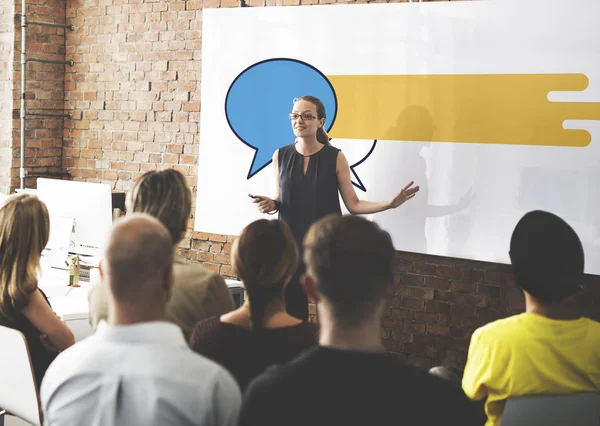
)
(265, 258)
(259, 299)
(322, 136)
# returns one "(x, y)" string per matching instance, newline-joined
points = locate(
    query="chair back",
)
(18, 390)
(580, 409)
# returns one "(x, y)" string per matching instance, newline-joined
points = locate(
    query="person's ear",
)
(310, 287)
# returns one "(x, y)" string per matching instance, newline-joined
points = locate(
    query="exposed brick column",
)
(7, 39)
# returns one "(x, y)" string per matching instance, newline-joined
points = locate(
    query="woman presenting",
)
(309, 173)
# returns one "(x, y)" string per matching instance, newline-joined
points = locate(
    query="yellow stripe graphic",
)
(474, 108)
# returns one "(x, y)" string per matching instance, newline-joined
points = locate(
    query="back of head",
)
(547, 257)
(24, 232)
(351, 259)
(265, 257)
(138, 260)
(165, 195)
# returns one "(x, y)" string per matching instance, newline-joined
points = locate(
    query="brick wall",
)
(134, 93)
(440, 301)
(44, 91)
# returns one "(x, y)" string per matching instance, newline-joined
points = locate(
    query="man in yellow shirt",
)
(547, 350)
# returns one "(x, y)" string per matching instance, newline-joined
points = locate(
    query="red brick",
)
(448, 272)
(460, 299)
(403, 267)
(403, 314)
(223, 259)
(402, 291)
(438, 307)
(227, 271)
(205, 257)
(477, 276)
(399, 336)
(437, 283)
(216, 247)
(462, 286)
(415, 257)
(428, 317)
(424, 269)
(411, 279)
(414, 327)
(438, 330)
(389, 322)
(495, 276)
(491, 291)
(464, 311)
(413, 304)
(422, 293)
(444, 319)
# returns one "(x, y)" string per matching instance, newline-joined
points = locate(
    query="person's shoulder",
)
(285, 151)
(502, 328)
(277, 378)
(332, 149)
(201, 373)
(206, 330)
(594, 329)
(77, 359)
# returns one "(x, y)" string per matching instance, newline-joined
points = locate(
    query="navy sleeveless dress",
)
(305, 198)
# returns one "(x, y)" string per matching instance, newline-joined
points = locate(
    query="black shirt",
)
(246, 352)
(306, 198)
(40, 357)
(327, 387)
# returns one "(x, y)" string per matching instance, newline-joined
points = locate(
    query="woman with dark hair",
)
(260, 333)
(310, 174)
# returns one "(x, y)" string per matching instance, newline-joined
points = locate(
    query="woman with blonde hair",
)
(24, 232)
(260, 333)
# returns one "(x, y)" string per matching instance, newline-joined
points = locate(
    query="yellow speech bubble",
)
(469, 108)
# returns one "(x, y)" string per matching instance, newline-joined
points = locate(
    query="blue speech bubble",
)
(261, 97)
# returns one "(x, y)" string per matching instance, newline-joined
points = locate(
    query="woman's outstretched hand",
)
(404, 195)
(264, 204)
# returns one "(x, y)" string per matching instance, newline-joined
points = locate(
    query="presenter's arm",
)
(266, 204)
(358, 206)
(42, 317)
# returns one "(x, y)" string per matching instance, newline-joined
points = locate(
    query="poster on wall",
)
(491, 107)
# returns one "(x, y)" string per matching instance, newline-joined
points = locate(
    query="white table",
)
(71, 304)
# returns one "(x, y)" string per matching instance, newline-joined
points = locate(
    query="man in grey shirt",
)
(137, 368)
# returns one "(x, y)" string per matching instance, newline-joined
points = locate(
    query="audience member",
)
(260, 333)
(24, 232)
(137, 369)
(349, 379)
(547, 349)
(197, 292)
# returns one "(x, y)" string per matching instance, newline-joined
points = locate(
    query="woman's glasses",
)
(307, 116)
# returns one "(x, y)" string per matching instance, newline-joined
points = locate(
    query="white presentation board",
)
(490, 106)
